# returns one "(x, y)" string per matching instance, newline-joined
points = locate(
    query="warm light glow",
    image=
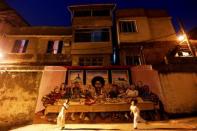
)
(181, 38)
(1, 55)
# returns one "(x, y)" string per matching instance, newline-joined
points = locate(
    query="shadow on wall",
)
(19, 92)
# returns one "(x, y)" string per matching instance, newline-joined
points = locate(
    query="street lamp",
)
(184, 38)
(1, 55)
(181, 38)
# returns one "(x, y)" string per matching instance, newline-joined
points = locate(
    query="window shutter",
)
(60, 46)
(16, 46)
(25, 46)
(50, 46)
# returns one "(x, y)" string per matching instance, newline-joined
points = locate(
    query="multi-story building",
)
(9, 18)
(92, 34)
(38, 46)
(144, 35)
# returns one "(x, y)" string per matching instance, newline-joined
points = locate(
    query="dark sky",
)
(55, 12)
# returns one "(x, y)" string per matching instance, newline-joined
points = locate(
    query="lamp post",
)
(184, 38)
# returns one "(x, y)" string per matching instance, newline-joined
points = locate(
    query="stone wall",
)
(19, 92)
(179, 91)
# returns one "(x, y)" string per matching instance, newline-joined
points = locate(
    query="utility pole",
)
(182, 29)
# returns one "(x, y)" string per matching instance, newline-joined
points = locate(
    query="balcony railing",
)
(182, 60)
(36, 59)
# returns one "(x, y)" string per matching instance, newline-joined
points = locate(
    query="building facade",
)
(35, 58)
(144, 36)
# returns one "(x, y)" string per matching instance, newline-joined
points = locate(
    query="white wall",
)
(52, 76)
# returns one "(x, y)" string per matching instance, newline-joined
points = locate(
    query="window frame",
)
(99, 61)
(21, 48)
(133, 61)
(92, 35)
(59, 49)
(127, 20)
(91, 13)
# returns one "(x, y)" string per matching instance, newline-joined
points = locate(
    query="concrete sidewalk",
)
(189, 124)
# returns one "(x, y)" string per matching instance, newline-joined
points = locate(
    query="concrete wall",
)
(147, 76)
(142, 34)
(180, 92)
(152, 29)
(177, 91)
(19, 92)
(53, 77)
(162, 29)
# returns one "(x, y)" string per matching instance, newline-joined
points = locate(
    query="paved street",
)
(186, 124)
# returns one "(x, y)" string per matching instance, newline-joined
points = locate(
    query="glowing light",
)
(181, 38)
(1, 55)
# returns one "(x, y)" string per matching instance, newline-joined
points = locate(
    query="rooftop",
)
(92, 6)
(4, 5)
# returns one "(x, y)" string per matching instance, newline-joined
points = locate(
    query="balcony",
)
(36, 59)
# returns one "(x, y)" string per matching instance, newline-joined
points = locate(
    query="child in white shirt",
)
(136, 114)
(61, 115)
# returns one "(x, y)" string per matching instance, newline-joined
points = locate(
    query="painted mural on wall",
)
(120, 77)
(99, 90)
(90, 74)
(75, 75)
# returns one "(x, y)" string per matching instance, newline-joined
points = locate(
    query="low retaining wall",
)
(179, 91)
(19, 92)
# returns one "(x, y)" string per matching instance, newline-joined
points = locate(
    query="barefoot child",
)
(136, 114)
(61, 115)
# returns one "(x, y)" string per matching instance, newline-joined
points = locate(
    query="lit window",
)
(183, 54)
(20, 46)
(55, 47)
(128, 26)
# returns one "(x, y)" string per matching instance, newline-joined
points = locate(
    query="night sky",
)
(55, 12)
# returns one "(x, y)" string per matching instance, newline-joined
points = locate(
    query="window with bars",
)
(128, 26)
(55, 47)
(133, 60)
(90, 61)
(20, 46)
(92, 35)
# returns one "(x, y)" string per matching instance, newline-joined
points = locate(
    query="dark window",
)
(82, 13)
(92, 35)
(101, 13)
(20, 46)
(127, 26)
(132, 60)
(55, 47)
(90, 61)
